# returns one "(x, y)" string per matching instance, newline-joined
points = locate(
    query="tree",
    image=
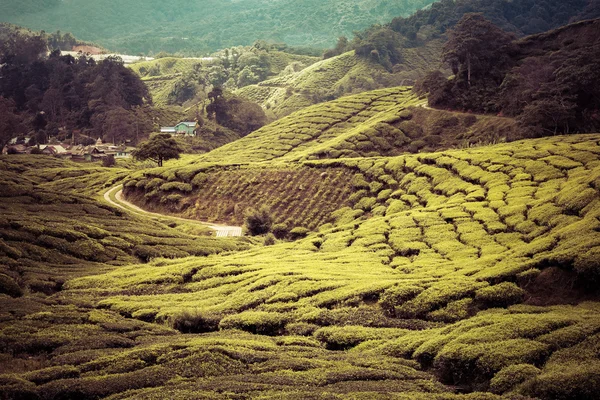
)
(476, 47)
(158, 148)
(258, 222)
(10, 122)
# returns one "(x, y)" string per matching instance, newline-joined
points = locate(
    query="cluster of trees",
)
(382, 43)
(235, 67)
(522, 17)
(550, 83)
(235, 113)
(58, 95)
(378, 43)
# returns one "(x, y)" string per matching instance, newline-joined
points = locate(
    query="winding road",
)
(220, 230)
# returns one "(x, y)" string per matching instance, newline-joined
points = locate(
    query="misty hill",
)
(203, 26)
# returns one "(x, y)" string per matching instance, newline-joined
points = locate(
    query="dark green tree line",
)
(61, 94)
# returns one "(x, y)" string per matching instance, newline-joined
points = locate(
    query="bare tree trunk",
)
(469, 69)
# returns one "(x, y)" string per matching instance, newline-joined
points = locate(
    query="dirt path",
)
(220, 230)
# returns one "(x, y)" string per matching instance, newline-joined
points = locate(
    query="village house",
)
(184, 128)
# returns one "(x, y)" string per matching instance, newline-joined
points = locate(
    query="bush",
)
(509, 377)
(108, 161)
(299, 232)
(280, 231)
(180, 186)
(51, 374)
(396, 295)
(269, 239)
(501, 295)
(258, 322)
(9, 286)
(195, 322)
(258, 222)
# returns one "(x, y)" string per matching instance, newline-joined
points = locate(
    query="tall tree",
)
(476, 48)
(158, 148)
(10, 122)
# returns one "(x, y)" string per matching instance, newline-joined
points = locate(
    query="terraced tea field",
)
(339, 76)
(468, 273)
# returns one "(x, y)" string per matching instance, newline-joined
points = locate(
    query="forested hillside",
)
(549, 81)
(199, 27)
(404, 50)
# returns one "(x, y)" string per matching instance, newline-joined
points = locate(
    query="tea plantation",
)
(430, 273)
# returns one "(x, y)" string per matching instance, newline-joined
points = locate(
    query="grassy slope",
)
(473, 267)
(53, 227)
(338, 76)
(431, 265)
(161, 75)
(365, 125)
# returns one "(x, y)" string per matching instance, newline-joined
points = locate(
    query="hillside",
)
(338, 76)
(165, 77)
(469, 269)
(378, 122)
(197, 28)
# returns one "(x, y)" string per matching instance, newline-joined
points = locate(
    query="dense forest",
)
(550, 81)
(522, 17)
(44, 95)
(200, 27)
(59, 95)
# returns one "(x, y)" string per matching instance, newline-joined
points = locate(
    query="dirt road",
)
(220, 230)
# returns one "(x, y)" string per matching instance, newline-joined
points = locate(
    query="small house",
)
(184, 128)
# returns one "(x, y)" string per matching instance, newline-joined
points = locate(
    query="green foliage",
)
(509, 377)
(158, 148)
(298, 232)
(258, 222)
(502, 295)
(126, 27)
(258, 322)
(195, 322)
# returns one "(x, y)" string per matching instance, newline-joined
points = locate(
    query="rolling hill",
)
(338, 76)
(469, 268)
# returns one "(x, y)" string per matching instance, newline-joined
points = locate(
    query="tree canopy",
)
(158, 148)
(476, 48)
(73, 94)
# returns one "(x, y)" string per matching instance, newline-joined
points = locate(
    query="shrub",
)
(195, 322)
(180, 186)
(258, 322)
(587, 266)
(579, 381)
(280, 231)
(454, 311)
(269, 239)
(396, 295)
(299, 232)
(501, 295)
(108, 161)
(51, 374)
(509, 377)
(258, 222)
(199, 179)
(301, 328)
(9, 286)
